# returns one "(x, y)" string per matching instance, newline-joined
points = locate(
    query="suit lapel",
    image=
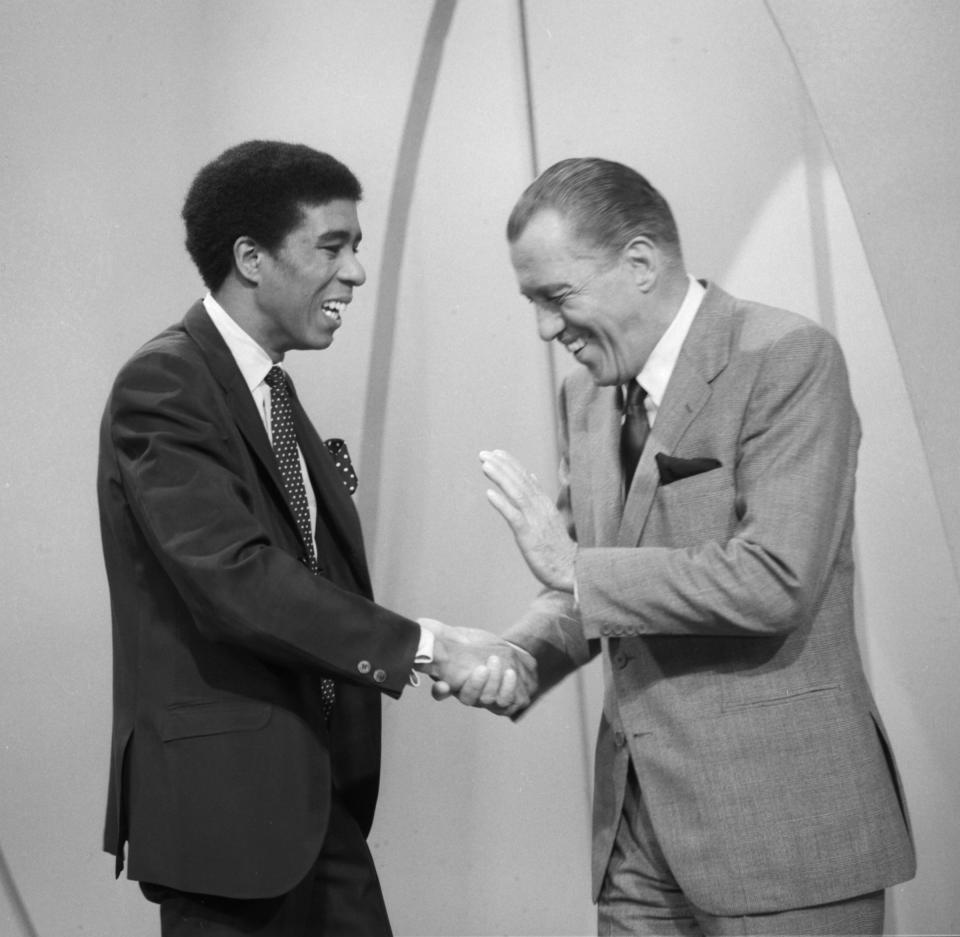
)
(239, 400)
(685, 397)
(327, 485)
(603, 467)
(331, 493)
(704, 355)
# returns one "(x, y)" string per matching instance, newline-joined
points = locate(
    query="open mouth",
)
(333, 310)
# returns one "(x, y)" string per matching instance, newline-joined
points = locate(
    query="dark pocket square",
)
(341, 457)
(673, 469)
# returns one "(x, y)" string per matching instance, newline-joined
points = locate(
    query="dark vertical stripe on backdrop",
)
(394, 243)
(15, 905)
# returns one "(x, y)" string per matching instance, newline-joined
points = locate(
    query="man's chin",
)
(600, 377)
(319, 342)
(599, 374)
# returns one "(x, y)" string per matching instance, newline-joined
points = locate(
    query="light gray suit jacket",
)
(723, 603)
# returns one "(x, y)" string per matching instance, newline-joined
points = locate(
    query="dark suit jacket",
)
(720, 590)
(222, 766)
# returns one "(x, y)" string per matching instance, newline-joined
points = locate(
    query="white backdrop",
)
(808, 148)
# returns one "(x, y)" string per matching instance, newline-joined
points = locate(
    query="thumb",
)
(441, 690)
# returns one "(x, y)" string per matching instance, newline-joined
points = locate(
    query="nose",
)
(549, 323)
(352, 272)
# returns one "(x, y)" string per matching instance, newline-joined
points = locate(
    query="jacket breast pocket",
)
(695, 510)
(213, 717)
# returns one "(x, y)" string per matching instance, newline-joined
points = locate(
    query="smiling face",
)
(593, 303)
(303, 287)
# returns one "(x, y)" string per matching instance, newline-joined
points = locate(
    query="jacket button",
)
(619, 739)
(379, 676)
(364, 666)
(620, 659)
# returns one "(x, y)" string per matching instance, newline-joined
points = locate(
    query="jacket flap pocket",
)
(772, 697)
(211, 717)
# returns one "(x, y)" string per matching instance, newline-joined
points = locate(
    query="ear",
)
(247, 257)
(645, 261)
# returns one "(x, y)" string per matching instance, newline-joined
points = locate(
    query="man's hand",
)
(480, 669)
(536, 523)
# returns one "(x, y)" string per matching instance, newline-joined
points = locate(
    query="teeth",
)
(575, 346)
(334, 310)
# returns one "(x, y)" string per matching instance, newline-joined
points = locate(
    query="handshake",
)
(479, 668)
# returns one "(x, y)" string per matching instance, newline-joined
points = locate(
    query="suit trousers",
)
(640, 896)
(339, 897)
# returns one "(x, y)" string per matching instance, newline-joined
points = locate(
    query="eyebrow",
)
(547, 290)
(338, 234)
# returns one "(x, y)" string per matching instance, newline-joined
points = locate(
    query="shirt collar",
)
(658, 368)
(252, 360)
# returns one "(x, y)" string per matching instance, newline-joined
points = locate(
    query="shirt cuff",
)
(424, 654)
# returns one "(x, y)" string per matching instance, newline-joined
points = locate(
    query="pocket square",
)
(673, 469)
(341, 458)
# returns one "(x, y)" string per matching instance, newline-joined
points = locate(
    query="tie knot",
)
(276, 378)
(634, 397)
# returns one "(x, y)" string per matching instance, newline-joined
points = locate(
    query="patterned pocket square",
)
(341, 458)
(673, 469)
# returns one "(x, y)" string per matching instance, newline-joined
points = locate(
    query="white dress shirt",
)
(658, 368)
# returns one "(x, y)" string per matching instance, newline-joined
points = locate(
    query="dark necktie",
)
(633, 431)
(288, 460)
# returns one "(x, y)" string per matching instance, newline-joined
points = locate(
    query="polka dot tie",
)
(288, 460)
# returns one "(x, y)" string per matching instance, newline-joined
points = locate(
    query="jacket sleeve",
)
(194, 493)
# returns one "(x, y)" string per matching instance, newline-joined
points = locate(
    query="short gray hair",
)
(608, 203)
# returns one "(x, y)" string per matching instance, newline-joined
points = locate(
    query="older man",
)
(702, 544)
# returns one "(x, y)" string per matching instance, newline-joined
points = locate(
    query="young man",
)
(249, 655)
